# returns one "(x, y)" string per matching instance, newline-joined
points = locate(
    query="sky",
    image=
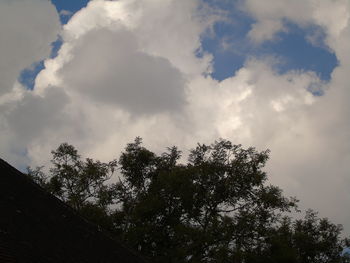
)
(271, 74)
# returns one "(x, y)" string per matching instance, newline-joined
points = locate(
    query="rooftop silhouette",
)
(35, 226)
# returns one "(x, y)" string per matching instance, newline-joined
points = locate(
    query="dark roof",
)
(37, 227)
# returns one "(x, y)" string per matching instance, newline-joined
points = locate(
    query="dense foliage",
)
(217, 207)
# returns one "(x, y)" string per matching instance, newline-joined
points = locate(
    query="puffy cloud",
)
(310, 152)
(34, 115)
(29, 119)
(116, 69)
(109, 67)
(27, 28)
(271, 15)
(129, 68)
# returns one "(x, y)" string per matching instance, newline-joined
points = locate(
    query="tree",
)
(217, 207)
(306, 240)
(82, 184)
(317, 240)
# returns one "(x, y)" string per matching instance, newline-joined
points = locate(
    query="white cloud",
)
(310, 153)
(272, 14)
(108, 66)
(129, 68)
(27, 27)
(118, 73)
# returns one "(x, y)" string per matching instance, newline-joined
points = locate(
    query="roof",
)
(35, 226)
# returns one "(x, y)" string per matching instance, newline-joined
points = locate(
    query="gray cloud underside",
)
(109, 67)
(27, 27)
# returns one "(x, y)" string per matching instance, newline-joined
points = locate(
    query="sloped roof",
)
(37, 227)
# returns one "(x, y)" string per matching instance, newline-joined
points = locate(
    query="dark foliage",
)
(218, 207)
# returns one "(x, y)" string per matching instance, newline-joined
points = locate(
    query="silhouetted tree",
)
(82, 184)
(217, 207)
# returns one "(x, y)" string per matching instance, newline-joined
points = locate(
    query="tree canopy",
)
(216, 207)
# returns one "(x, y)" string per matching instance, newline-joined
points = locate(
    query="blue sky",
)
(68, 5)
(65, 9)
(229, 45)
(292, 47)
(28, 75)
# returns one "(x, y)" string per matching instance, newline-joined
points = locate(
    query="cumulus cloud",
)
(109, 67)
(33, 115)
(129, 68)
(27, 27)
(310, 152)
(113, 71)
(271, 16)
